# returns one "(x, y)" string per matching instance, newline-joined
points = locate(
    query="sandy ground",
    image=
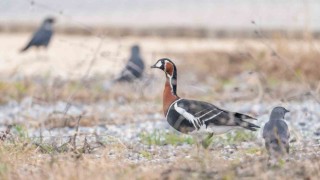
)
(70, 56)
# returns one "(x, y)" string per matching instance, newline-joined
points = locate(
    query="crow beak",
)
(287, 111)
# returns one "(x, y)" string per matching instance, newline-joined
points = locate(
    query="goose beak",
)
(154, 66)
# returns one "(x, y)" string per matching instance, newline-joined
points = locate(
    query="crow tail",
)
(25, 48)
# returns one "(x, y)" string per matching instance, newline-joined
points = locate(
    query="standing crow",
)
(134, 68)
(276, 133)
(42, 36)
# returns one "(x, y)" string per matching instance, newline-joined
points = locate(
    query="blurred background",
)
(214, 14)
(259, 53)
(94, 77)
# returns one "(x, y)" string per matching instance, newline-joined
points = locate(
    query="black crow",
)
(134, 68)
(42, 36)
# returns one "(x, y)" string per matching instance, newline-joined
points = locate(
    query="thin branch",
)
(84, 77)
(76, 133)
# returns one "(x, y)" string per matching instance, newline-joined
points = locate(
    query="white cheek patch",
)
(159, 64)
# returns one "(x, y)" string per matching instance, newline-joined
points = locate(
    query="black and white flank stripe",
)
(190, 116)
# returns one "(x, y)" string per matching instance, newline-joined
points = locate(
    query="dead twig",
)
(6, 133)
(97, 140)
(86, 146)
(84, 77)
(74, 144)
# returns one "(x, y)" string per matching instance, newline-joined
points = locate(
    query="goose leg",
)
(207, 141)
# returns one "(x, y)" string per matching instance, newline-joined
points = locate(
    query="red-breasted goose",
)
(191, 116)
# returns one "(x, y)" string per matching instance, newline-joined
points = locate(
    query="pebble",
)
(304, 117)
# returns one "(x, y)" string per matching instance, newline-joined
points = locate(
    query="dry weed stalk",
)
(284, 60)
(74, 144)
(6, 133)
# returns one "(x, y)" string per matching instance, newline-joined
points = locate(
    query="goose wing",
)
(200, 113)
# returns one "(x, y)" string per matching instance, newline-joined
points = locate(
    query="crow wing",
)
(40, 38)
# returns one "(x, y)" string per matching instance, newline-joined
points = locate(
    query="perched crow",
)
(42, 36)
(276, 133)
(134, 68)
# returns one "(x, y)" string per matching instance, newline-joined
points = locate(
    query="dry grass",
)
(226, 65)
(293, 68)
(23, 160)
(47, 91)
(276, 70)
